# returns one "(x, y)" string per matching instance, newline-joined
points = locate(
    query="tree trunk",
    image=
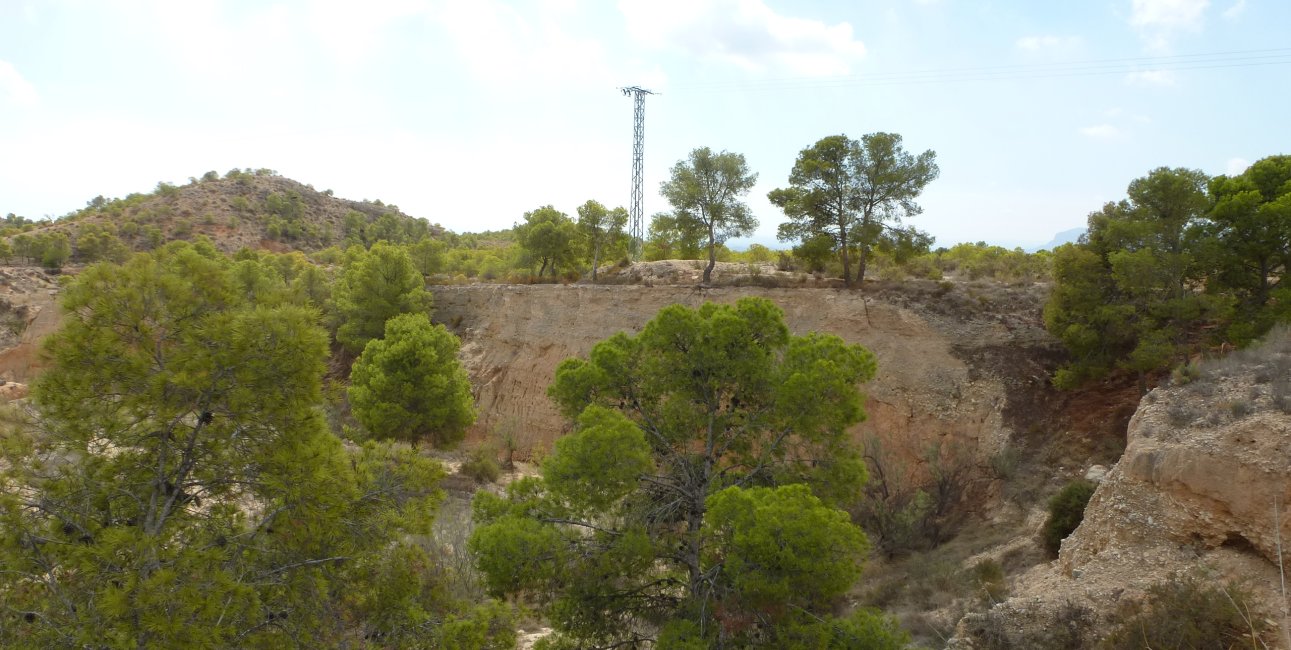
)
(712, 257)
(694, 571)
(863, 250)
(542, 269)
(596, 260)
(847, 260)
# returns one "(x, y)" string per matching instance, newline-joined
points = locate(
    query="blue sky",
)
(469, 113)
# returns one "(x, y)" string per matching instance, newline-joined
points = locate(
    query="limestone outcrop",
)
(1202, 489)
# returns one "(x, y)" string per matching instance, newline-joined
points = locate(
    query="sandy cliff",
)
(951, 366)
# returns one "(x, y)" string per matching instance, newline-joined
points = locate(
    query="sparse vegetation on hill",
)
(1187, 613)
(243, 209)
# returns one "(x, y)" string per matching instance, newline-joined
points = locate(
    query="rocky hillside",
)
(251, 209)
(1202, 489)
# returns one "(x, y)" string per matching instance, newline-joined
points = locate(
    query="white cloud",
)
(1157, 21)
(1101, 131)
(1235, 10)
(1235, 166)
(1168, 14)
(1151, 78)
(1047, 42)
(15, 87)
(501, 44)
(218, 45)
(745, 33)
(353, 30)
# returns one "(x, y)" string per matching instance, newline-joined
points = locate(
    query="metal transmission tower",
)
(637, 232)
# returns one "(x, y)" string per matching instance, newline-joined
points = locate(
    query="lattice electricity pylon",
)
(636, 230)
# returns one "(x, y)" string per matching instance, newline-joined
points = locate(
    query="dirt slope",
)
(965, 378)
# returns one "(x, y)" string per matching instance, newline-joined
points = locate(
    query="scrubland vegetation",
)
(230, 446)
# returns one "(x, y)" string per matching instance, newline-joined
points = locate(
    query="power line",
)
(1094, 67)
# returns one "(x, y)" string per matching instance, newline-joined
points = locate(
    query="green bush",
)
(1066, 509)
(55, 249)
(481, 466)
(1193, 614)
(1185, 373)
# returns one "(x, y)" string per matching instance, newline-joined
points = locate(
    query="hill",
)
(1064, 237)
(243, 209)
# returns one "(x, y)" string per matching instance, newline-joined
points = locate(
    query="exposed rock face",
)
(28, 313)
(949, 368)
(1203, 487)
(1200, 486)
(963, 365)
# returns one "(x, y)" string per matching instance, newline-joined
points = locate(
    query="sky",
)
(470, 113)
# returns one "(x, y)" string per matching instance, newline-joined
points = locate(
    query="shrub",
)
(1281, 395)
(1004, 463)
(988, 575)
(1185, 373)
(1190, 613)
(1180, 415)
(1066, 510)
(481, 466)
(1068, 628)
(54, 249)
(904, 509)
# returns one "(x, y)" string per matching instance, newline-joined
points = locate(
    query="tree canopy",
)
(696, 502)
(673, 237)
(377, 285)
(600, 228)
(706, 189)
(1124, 299)
(176, 486)
(547, 236)
(409, 384)
(1250, 223)
(1183, 261)
(851, 191)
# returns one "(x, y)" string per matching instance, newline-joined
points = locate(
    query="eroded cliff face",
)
(1202, 488)
(952, 367)
(29, 312)
(960, 364)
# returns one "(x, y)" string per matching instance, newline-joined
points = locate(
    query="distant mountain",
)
(1064, 237)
